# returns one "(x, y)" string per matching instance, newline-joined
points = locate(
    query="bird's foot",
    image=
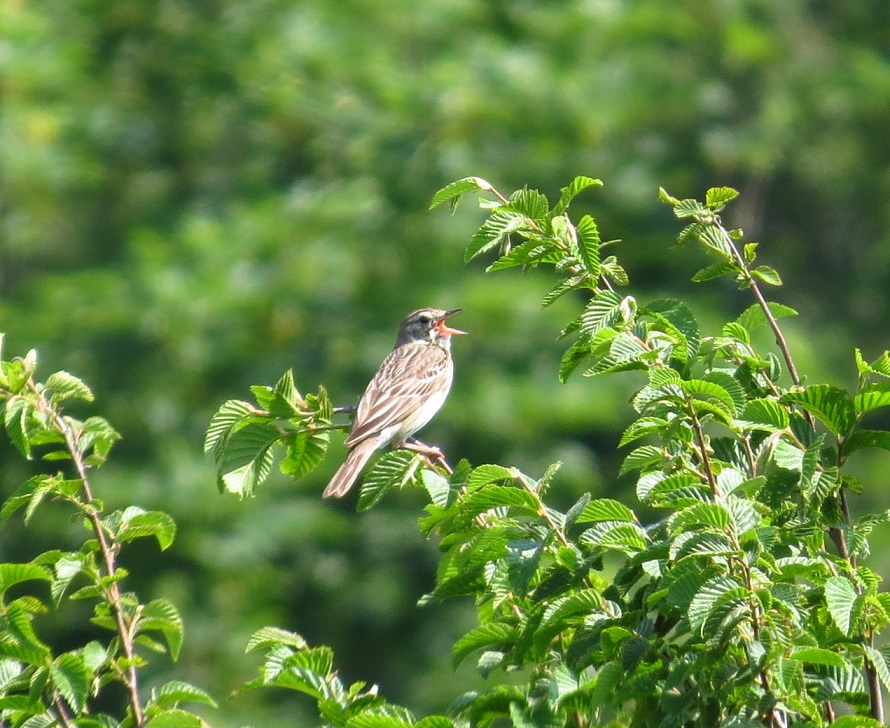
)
(432, 453)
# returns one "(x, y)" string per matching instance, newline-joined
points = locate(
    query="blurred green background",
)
(196, 196)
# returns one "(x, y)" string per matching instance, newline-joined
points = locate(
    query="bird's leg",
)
(432, 453)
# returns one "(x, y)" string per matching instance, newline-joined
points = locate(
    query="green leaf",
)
(606, 509)
(871, 397)
(170, 694)
(530, 203)
(304, 452)
(708, 596)
(679, 316)
(716, 270)
(138, 524)
(501, 496)
(242, 481)
(175, 718)
(490, 635)
(753, 316)
(567, 194)
(717, 197)
(715, 515)
(832, 406)
(454, 191)
(767, 275)
(862, 439)
(485, 474)
(626, 537)
(65, 385)
(856, 721)
(70, 677)
(12, 574)
(494, 231)
(394, 469)
(641, 458)
(161, 615)
(710, 390)
(274, 636)
(611, 269)
(561, 288)
(530, 253)
(589, 246)
(765, 414)
(602, 311)
(877, 659)
(223, 423)
(434, 721)
(15, 419)
(840, 597)
(818, 656)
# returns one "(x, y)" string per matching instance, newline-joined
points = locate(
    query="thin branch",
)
(125, 627)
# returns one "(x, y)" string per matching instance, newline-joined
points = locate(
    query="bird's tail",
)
(349, 470)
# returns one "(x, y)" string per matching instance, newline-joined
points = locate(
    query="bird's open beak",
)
(447, 330)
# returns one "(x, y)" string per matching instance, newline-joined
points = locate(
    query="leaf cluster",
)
(39, 684)
(746, 603)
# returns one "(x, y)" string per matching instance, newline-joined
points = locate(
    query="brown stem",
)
(112, 591)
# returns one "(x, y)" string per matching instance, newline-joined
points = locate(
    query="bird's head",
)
(427, 325)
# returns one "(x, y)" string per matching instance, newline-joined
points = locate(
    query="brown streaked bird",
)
(404, 395)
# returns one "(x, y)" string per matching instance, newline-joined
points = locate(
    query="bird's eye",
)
(424, 319)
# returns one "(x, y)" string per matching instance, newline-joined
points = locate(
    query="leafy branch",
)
(39, 685)
(729, 610)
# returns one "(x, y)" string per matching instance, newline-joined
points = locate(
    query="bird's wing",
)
(406, 378)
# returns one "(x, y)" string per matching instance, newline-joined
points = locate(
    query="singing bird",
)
(406, 392)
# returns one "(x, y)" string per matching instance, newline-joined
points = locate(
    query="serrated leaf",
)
(817, 656)
(138, 524)
(274, 636)
(840, 597)
(832, 406)
(304, 451)
(174, 718)
(530, 253)
(862, 439)
(641, 458)
(679, 316)
(492, 634)
(456, 189)
(703, 388)
(605, 509)
(620, 535)
(482, 475)
(65, 385)
(69, 676)
(161, 615)
(568, 193)
(871, 397)
(223, 422)
(501, 496)
(12, 574)
(394, 469)
(589, 246)
(717, 197)
(242, 481)
(494, 231)
(15, 419)
(707, 597)
(716, 270)
(880, 664)
(765, 414)
(561, 288)
(753, 316)
(767, 275)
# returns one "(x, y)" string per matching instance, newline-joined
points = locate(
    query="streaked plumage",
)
(409, 388)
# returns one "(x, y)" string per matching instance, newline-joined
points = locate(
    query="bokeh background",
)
(197, 195)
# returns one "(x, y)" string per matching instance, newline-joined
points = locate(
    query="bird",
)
(408, 389)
